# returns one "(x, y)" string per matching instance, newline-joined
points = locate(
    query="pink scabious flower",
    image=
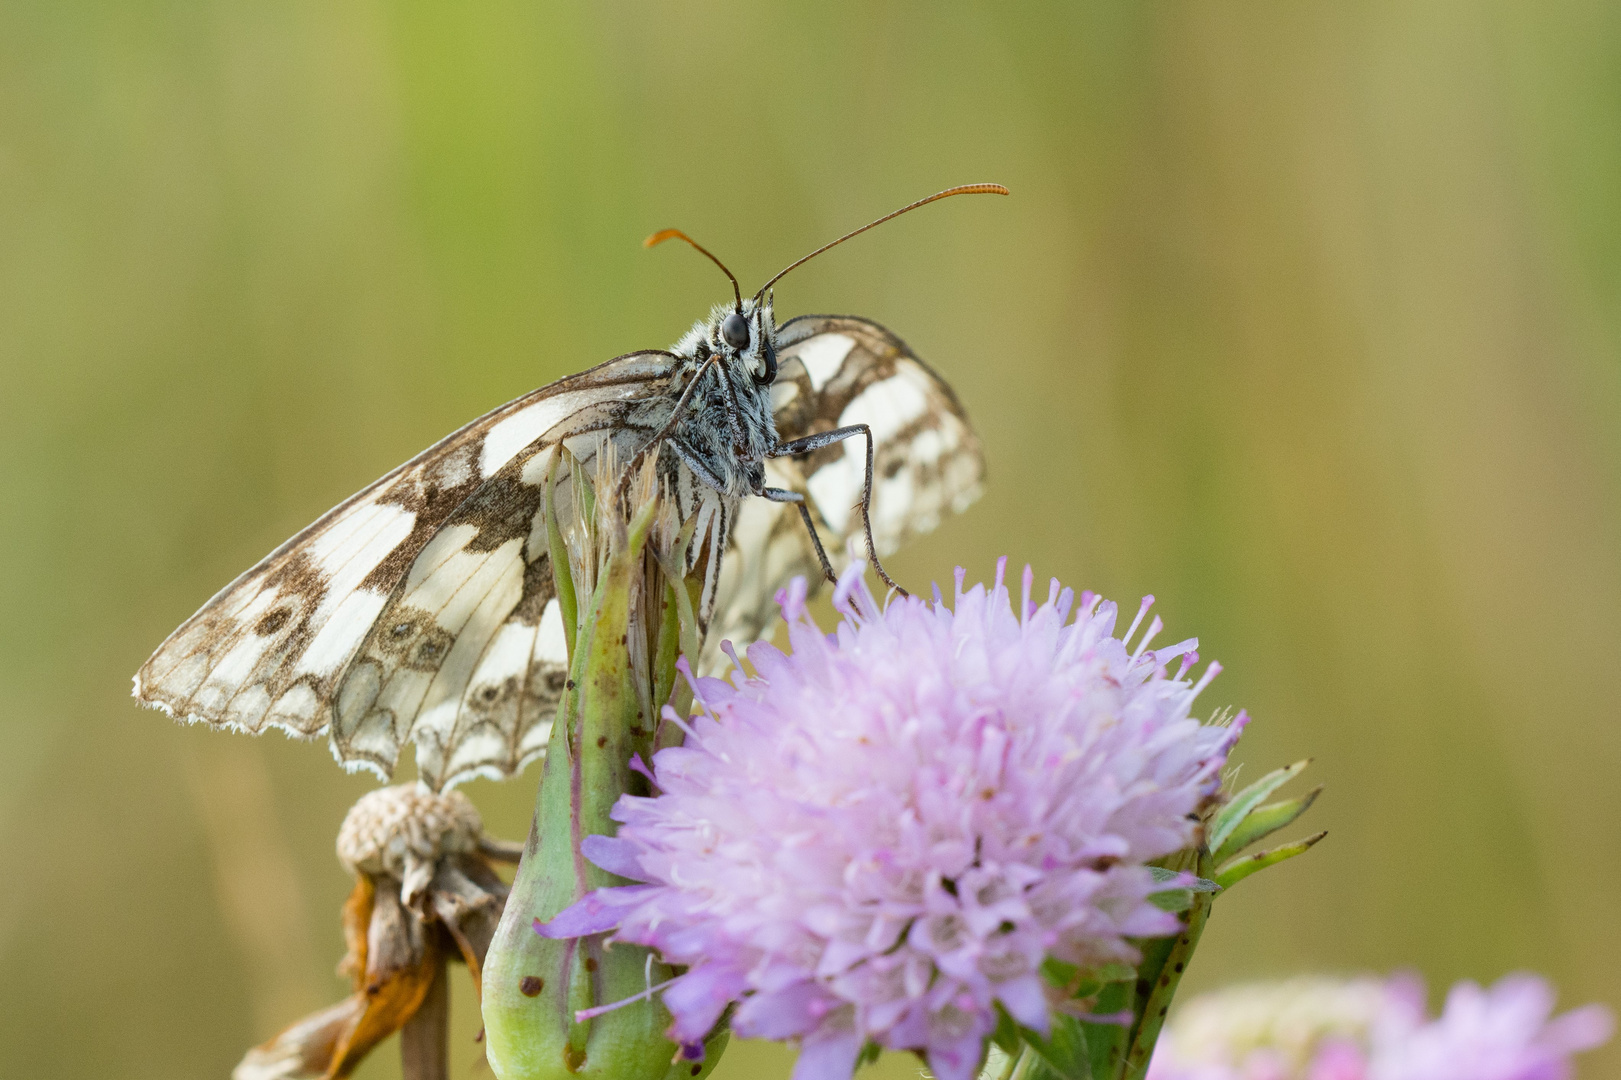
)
(882, 835)
(1370, 1029)
(1505, 1032)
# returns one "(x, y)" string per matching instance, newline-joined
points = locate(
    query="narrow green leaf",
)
(1236, 870)
(1063, 1051)
(586, 494)
(1198, 884)
(562, 574)
(1106, 1043)
(1110, 973)
(1000, 1063)
(669, 650)
(1007, 1034)
(685, 597)
(1172, 899)
(1264, 821)
(1230, 816)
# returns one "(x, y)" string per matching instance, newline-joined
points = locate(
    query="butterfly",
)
(423, 608)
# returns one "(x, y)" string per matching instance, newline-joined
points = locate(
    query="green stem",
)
(1165, 961)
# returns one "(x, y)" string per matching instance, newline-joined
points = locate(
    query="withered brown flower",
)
(425, 894)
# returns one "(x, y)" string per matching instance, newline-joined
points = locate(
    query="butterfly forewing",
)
(834, 371)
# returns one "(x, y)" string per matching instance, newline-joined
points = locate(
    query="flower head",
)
(1371, 1029)
(883, 835)
(1504, 1032)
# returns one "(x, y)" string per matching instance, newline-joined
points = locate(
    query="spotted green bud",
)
(544, 999)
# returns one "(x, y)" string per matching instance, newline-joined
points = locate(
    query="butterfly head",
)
(746, 333)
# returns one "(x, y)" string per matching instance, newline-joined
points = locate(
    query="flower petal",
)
(829, 1057)
(598, 911)
(614, 855)
(697, 999)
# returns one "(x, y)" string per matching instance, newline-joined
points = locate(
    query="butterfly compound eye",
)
(735, 330)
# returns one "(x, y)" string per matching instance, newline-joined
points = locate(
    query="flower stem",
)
(1165, 961)
(425, 1038)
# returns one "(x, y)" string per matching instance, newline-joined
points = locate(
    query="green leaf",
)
(1236, 870)
(1265, 821)
(587, 497)
(1007, 1034)
(1106, 1043)
(1111, 973)
(1179, 878)
(669, 650)
(1172, 899)
(562, 575)
(1003, 1064)
(1233, 814)
(1063, 1051)
(1179, 897)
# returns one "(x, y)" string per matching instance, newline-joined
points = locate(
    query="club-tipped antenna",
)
(964, 189)
(676, 234)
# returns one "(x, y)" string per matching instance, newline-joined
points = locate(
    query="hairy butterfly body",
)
(423, 609)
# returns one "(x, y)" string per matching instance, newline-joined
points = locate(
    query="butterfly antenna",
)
(965, 189)
(676, 234)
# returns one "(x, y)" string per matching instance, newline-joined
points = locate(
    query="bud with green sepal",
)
(627, 618)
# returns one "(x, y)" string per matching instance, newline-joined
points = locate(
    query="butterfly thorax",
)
(728, 427)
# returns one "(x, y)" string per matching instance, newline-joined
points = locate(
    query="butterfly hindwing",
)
(835, 371)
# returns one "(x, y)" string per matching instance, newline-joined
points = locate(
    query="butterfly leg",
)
(828, 438)
(676, 416)
(694, 461)
(783, 495)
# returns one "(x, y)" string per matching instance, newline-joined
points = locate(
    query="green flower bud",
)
(634, 623)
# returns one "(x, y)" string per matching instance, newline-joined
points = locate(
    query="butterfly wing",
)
(468, 658)
(410, 600)
(422, 609)
(834, 371)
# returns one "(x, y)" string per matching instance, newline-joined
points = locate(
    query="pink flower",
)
(1366, 1029)
(1507, 1032)
(881, 836)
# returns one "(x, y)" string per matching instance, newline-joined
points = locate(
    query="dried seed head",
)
(424, 893)
(390, 829)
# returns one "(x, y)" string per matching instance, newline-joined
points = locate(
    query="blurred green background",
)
(1303, 317)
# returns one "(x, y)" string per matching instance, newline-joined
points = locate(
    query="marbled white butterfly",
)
(423, 608)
